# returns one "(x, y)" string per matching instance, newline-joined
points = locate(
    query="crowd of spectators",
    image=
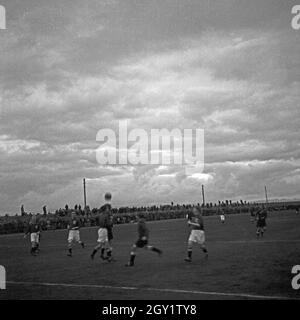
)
(60, 218)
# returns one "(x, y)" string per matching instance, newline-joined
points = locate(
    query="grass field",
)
(239, 265)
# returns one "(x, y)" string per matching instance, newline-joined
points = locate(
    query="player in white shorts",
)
(197, 234)
(74, 233)
(222, 216)
(103, 243)
(34, 230)
(102, 236)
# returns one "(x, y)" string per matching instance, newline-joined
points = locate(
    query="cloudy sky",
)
(70, 68)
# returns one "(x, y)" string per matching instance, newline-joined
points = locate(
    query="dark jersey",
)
(198, 221)
(110, 228)
(106, 207)
(261, 217)
(33, 228)
(104, 220)
(74, 224)
(142, 229)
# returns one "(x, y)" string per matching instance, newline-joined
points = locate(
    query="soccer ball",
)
(107, 196)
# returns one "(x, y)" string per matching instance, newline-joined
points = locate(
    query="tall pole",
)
(266, 193)
(84, 194)
(203, 198)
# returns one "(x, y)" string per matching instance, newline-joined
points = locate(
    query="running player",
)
(197, 234)
(74, 233)
(34, 230)
(261, 224)
(142, 242)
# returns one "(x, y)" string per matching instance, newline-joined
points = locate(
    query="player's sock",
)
(102, 254)
(156, 250)
(132, 258)
(93, 253)
(70, 252)
(205, 251)
(189, 255)
(109, 252)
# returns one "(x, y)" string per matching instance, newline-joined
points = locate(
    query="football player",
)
(197, 234)
(74, 233)
(104, 222)
(107, 223)
(34, 229)
(261, 224)
(142, 242)
(222, 216)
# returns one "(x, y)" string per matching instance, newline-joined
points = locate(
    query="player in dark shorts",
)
(142, 242)
(261, 224)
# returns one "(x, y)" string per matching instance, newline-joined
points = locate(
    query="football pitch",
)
(239, 265)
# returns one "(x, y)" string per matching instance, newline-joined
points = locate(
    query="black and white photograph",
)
(149, 150)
